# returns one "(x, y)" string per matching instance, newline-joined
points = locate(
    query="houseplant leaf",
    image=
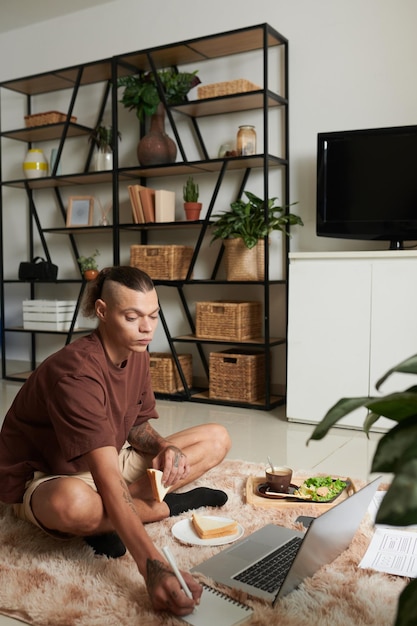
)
(409, 366)
(396, 452)
(399, 506)
(342, 408)
(407, 606)
(396, 406)
(393, 446)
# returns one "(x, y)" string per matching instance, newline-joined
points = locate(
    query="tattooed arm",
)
(166, 457)
(119, 513)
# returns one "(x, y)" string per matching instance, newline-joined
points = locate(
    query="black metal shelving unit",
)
(262, 39)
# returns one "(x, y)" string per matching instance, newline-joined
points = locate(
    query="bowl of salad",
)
(321, 489)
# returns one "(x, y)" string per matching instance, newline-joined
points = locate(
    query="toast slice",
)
(210, 528)
(158, 489)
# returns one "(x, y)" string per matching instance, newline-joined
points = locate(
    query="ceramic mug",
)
(280, 479)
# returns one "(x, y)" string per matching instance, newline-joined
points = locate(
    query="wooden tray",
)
(253, 498)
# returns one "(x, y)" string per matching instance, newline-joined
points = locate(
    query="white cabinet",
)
(352, 316)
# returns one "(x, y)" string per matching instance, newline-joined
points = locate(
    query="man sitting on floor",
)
(76, 442)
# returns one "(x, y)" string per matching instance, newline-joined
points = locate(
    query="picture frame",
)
(80, 211)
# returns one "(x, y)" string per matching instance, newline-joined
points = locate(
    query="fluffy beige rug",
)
(49, 583)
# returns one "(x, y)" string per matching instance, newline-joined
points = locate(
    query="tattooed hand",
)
(165, 591)
(174, 464)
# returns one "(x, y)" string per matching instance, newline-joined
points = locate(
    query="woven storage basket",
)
(162, 262)
(243, 263)
(48, 117)
(230, 320)
(226, 88)
(237, 375)
(164, 373)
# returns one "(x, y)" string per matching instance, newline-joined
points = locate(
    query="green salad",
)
(320, 488)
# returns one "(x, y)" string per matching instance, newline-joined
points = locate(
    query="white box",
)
(48, 314)
(164, 205)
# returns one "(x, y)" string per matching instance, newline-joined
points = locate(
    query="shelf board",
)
(230, 104)
(43, 282)
(260, 403)
(20, 329)
(79, 230)
(47, 132)
(66, 78)
(257, 342)
(137, 172)
(204, 48)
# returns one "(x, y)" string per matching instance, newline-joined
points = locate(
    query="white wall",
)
(351, 64)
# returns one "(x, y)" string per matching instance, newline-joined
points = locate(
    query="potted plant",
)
(102, 137)
(142, 94)
(243, 229)
(190, 192)
(88, 265)
(396, 453)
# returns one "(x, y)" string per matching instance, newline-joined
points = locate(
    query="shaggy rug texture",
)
(50, 583)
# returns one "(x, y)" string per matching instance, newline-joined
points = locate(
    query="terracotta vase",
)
(156, 148)
(192, 210)
(90, 274)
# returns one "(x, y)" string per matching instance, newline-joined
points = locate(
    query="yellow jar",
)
(35, 164)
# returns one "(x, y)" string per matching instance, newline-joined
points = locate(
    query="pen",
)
(171, 561)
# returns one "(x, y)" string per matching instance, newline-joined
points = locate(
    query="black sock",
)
(201, 496)
(108, 544)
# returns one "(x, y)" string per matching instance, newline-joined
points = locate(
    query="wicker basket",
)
(230, 320)
(49, 117)
(164, 373)
(244, 263)
(240, 85)
(237, 375)
(162, 262)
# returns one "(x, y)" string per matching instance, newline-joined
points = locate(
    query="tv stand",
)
(396, 245)
(351, 318)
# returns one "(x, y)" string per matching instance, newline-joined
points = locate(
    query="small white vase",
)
(103, 160)
(35, 164)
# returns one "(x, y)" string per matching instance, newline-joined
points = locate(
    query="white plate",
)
(184, 532)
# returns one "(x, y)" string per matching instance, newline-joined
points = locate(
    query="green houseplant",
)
(243, 229)
(190, 193)
(396, 453)
(102, 137)
(141, 90)
(246, 220)
(146, 93)
(88, 265)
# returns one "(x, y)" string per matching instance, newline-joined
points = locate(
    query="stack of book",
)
(151, 205)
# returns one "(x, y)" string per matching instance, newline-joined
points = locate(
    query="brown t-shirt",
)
(74, 402)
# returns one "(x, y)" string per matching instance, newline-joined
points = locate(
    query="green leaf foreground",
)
(396, 453)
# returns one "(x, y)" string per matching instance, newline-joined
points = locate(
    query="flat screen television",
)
(367, 184)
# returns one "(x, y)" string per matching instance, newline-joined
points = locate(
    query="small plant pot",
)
(192, 210)
(90, 274)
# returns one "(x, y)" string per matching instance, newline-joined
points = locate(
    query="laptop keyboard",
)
(268, 574)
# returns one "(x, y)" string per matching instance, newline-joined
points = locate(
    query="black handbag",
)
(37, 269)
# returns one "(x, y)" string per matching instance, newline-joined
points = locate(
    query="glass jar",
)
(246, 140)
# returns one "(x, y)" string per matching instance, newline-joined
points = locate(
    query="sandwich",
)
(159, 491)
(211, 528)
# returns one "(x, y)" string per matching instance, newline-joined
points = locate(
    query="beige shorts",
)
(132, 466)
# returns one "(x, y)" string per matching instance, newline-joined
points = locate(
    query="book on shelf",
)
(147, 198)
(135, 201)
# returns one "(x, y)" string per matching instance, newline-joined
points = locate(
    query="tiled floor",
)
(256, 435)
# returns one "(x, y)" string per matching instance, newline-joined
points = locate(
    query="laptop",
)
(273, 561)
